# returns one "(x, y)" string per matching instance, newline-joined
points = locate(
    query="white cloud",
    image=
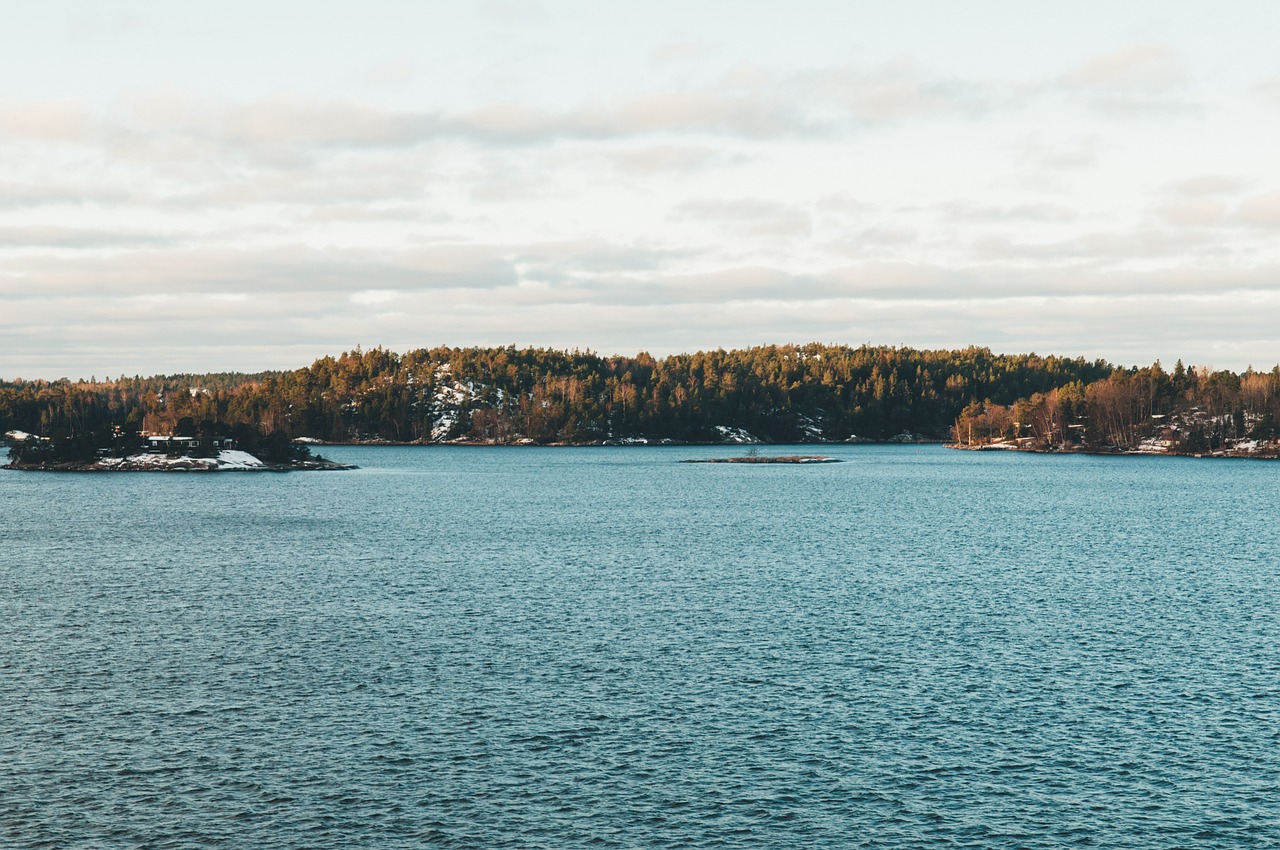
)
(877, 240)
(53, 236)
(60, 120)
(971, 211)
(750, 103)
(750, 216)
(289, 268)
(1143, 67)
(892, 92)
(27, 194)
(1209, 185)
(395, 75)
(366, 297)
(1268, 90)
(679, 52)
(1260, 210)
(1193, 211)
(666, 157)
(1099, 247)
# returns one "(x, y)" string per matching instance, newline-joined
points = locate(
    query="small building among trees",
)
(163, 443)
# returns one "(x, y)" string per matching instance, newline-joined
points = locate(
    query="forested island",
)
(240, 448)
(772, 394)
(813, 393)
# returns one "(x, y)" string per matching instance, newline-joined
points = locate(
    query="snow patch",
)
(227, 459)
(236, 459)
(1153, 446)
(447, 401)
(812, 430)
(158, 461)
(735, 435)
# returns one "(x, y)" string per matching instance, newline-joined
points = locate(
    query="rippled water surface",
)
(602, 647)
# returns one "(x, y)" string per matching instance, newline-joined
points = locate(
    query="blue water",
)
(465, 647)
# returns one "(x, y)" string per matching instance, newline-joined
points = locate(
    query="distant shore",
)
(636, 442)
(1236, 453)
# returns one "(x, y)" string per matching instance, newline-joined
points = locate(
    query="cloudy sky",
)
(240, 185)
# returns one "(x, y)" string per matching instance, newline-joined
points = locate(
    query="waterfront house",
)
(158, 443)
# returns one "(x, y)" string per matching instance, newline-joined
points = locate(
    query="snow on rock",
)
(1153, 446)
(18, 436)
(443, 425)
(812, 429)
(735, 435)
(236, 459)
(446, 402)
(150, 461)
(227, 460)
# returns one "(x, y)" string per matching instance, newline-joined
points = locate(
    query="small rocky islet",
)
(767, 459)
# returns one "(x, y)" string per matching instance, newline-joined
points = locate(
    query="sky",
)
(249, 186)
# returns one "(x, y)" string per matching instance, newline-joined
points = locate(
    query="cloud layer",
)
(1118, 199)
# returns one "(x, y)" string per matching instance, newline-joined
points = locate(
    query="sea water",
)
(522, 647)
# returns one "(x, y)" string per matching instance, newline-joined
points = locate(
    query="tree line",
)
(1188, 410)
(777, 393)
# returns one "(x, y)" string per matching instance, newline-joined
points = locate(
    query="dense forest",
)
(1186, 411)
(773, 394)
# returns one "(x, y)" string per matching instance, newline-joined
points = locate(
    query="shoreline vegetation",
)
(226, 462)
(1183, 413)
(180, 464)
(115, 450)
(1245, 452)
(507, 396)
(968, 398)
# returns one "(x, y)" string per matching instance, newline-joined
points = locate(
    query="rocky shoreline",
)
(241, 462)
(1252, 453)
